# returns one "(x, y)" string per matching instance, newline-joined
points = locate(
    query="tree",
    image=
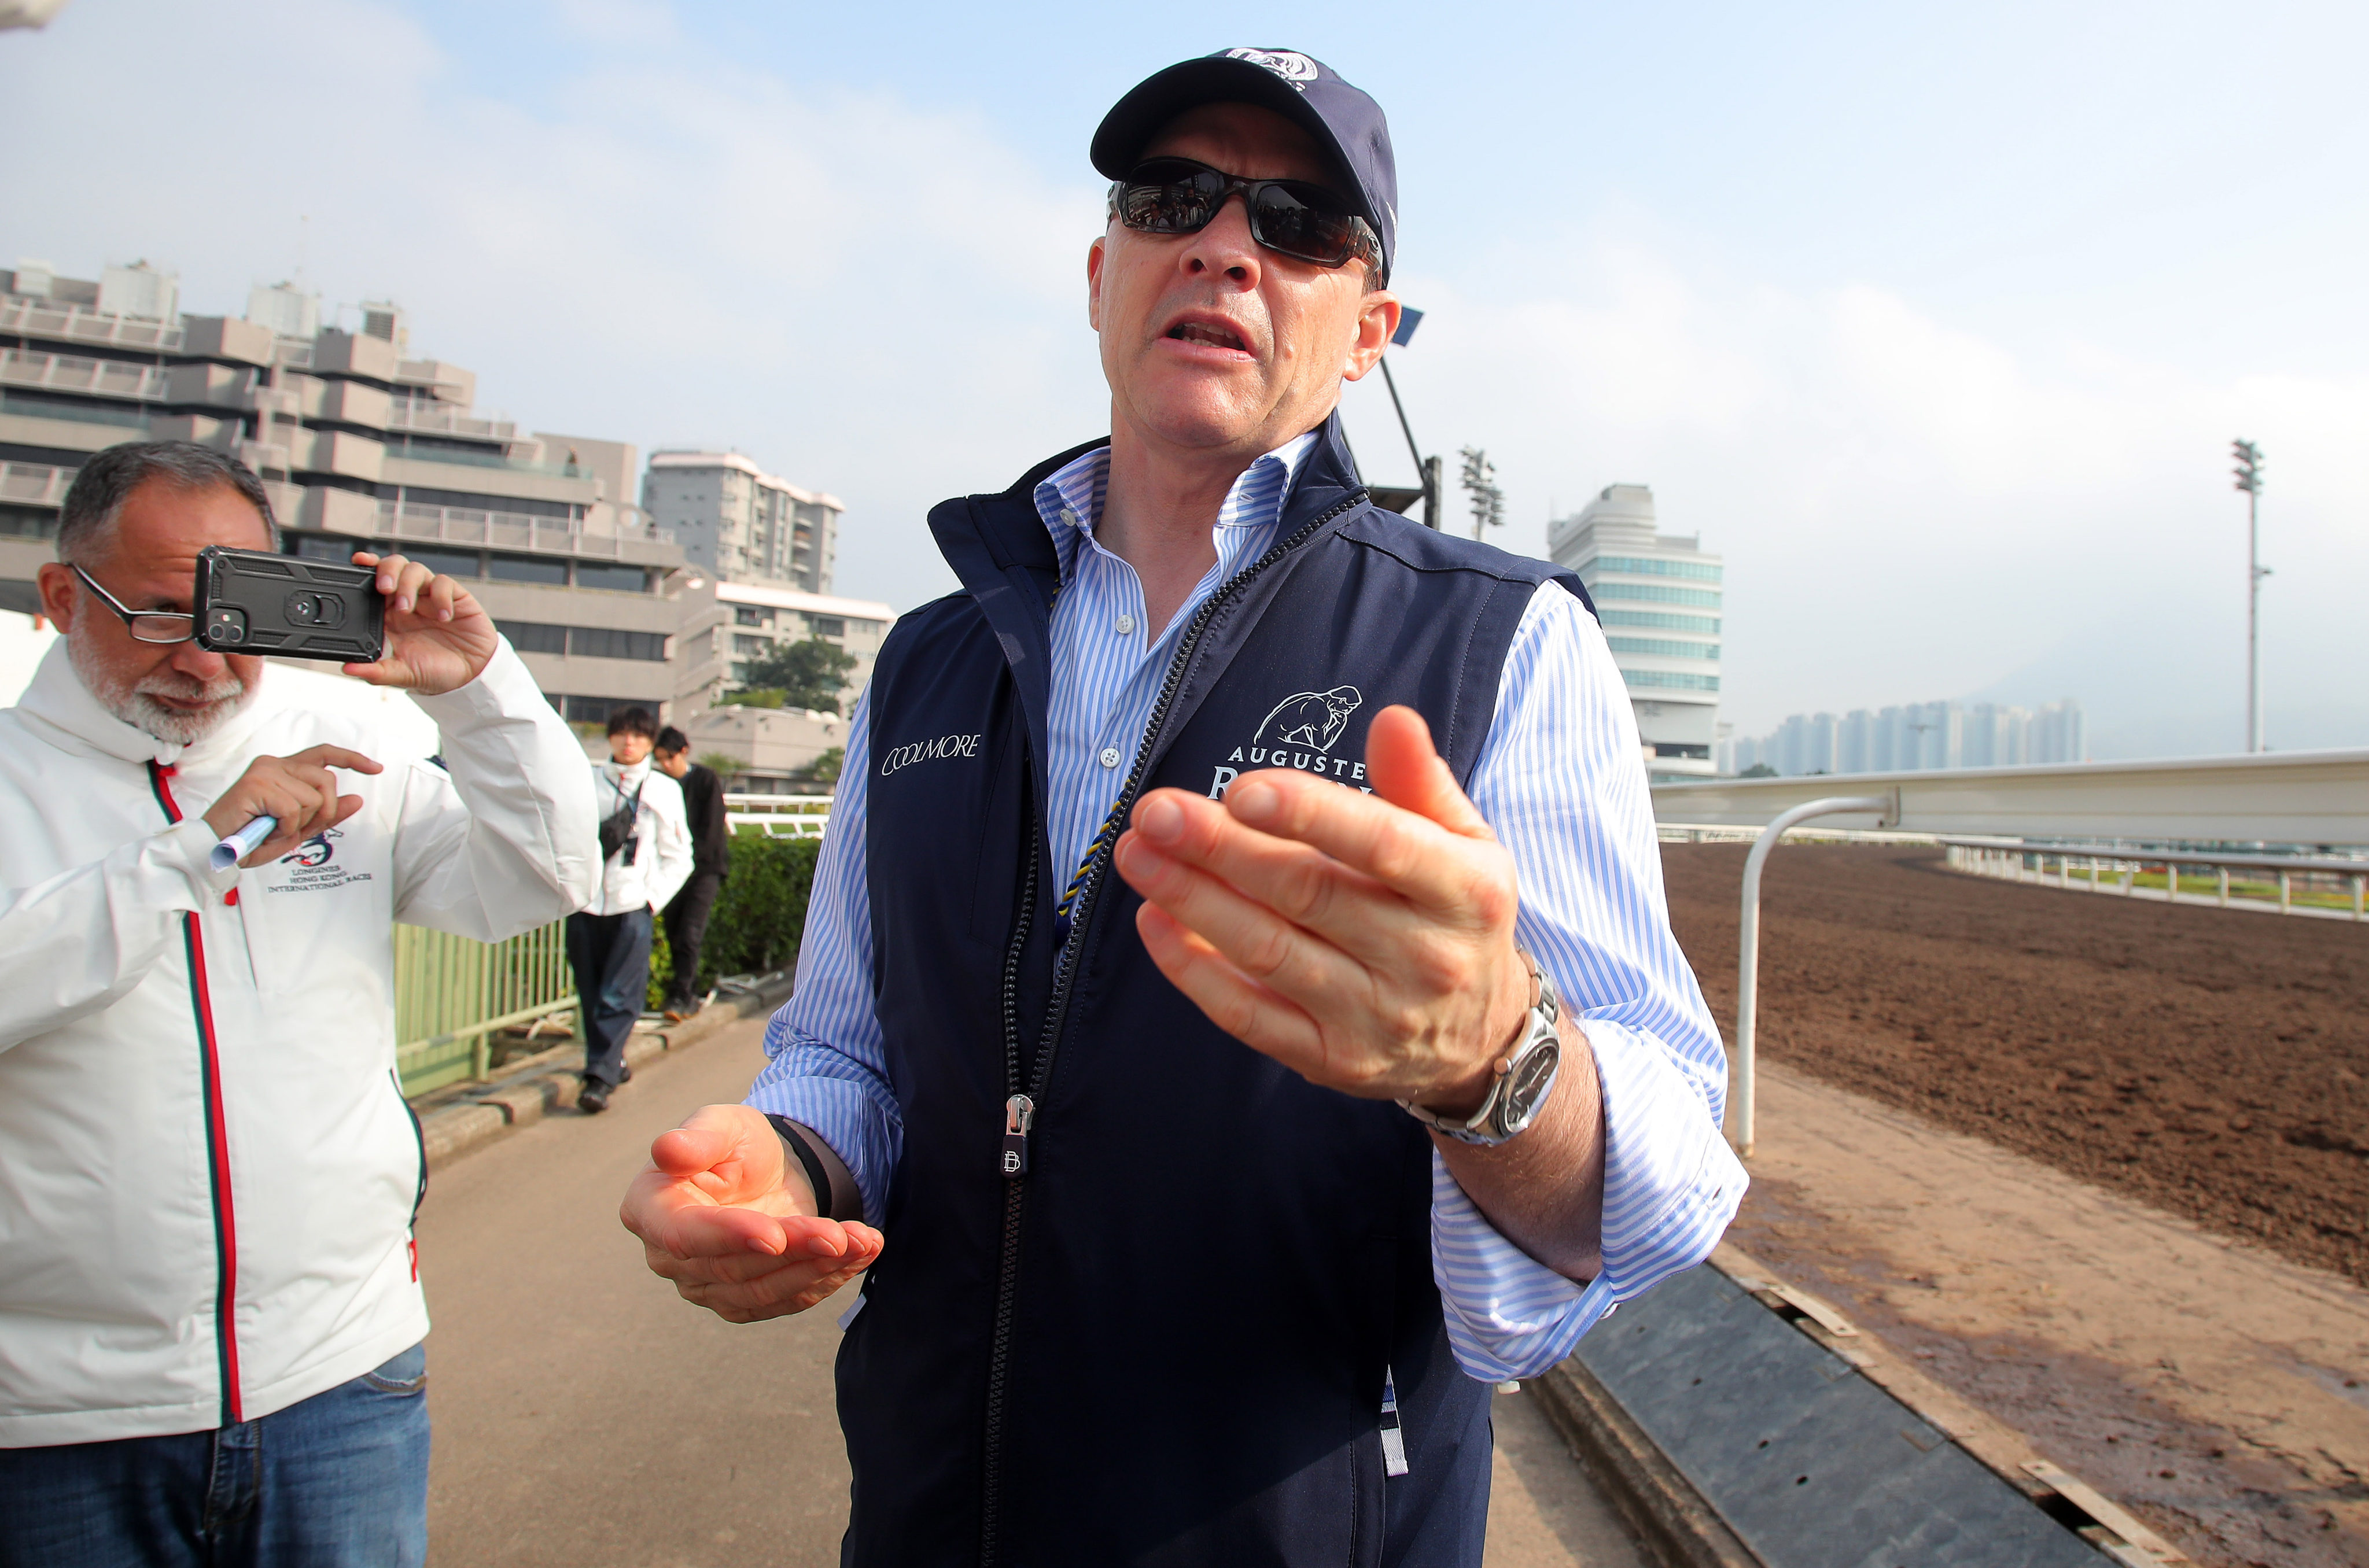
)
(824, 769)
(1758, 771)
(808, 674)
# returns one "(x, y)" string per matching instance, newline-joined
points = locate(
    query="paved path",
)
(586, 1415)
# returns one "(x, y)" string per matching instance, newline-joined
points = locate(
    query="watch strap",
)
(794, 1139)
(1486, 1127)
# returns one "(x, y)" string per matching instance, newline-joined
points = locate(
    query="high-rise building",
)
(361, 446)
(1916, 737)
(1657, 596)
(740, 522)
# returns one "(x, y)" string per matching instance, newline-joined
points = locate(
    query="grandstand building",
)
(1657, 596)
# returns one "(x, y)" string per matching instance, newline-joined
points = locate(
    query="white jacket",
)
(661, 862)
(208, 1172)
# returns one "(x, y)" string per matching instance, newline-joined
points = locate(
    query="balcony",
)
(512, 531)
(435, 419)
(71, 373)
(34, 483)
(77, 325)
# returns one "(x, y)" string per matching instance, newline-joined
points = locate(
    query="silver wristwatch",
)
(1526, 1075)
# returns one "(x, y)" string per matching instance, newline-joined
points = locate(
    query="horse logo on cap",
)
(1297, 69)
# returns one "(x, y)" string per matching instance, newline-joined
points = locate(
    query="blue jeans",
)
(340, 1481)
(610, 955)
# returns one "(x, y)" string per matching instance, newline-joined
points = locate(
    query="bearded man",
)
(1237, 1008)
(210, 1307)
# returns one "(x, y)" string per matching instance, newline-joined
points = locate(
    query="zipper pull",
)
(1019, 1112)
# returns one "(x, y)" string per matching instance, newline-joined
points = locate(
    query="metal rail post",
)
(1747, 945)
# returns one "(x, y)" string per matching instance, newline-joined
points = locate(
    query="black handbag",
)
(617, 829)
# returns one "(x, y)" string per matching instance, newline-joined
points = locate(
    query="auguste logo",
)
(1295, 68)
(1298, 732)
(315, 850)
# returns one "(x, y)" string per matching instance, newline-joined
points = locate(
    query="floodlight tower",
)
(2249, 479)
(1479, 480)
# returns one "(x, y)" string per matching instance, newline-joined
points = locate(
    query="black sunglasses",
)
(1177, 196)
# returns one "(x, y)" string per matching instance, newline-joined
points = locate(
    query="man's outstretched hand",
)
(1363, 941)
(723, 1214)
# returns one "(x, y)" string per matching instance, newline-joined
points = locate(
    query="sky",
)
(1937, 323)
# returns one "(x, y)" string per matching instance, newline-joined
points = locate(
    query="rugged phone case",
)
(252, 602)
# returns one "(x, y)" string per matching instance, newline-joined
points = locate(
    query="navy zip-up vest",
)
(1164, 1340)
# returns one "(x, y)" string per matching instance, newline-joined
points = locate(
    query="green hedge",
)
(759, 917)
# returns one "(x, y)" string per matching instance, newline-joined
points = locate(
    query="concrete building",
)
(758, 618)
(739, 523)
(361, 445)
(1657, 596)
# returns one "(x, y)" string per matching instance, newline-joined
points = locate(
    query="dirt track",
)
(2213, 1063)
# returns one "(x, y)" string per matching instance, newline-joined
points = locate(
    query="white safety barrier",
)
(2270, 798)
(2018, 861)
(779, 815)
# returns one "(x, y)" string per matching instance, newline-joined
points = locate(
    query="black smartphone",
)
(254, 601)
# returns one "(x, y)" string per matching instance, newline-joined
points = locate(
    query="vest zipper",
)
(217, 1139)
(1024, 1102)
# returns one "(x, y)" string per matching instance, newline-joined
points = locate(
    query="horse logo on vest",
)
(1313, 719)
(1298, 732)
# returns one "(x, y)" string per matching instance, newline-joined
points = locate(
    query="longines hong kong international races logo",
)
(929, 751)
(315, 868)
(1299, 733)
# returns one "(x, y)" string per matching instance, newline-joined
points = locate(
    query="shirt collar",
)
(1070, 500)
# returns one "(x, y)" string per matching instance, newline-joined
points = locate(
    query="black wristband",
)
(818, 1176)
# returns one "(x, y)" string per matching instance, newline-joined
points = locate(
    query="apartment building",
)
(742, 523)
(1657, 596)
(1916, 738)
(361, 445)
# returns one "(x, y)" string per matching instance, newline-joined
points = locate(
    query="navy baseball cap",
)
(1303, 90)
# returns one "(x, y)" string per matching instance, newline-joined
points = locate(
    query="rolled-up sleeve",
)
(825, 1065)
(1560, 781)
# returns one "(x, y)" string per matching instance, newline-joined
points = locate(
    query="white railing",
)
(35, 320)
(433, 420)
(507, 530)
(71, 373)
(2270, 799)
(35, 484)
(2127, 870)
(779, 815)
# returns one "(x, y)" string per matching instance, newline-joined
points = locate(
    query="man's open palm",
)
(720, 1214)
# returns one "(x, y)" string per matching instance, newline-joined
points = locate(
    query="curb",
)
(521, 1098)
(1681, 1528)
(1662, 1508)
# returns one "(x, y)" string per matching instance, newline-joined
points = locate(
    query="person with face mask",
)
(210, 1318)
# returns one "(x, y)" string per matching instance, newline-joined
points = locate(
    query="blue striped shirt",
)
(1559, 779)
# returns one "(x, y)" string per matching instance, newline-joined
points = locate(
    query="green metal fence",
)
(450, 994)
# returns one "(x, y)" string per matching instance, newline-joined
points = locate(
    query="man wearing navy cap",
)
(1237, 1020)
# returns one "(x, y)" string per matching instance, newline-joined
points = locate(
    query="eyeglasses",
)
(147, 625)
(1177, 196)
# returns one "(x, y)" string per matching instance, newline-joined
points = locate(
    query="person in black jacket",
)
(711, 861)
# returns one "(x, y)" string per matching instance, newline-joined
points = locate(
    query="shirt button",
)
(1126, 626)
(1110, 757)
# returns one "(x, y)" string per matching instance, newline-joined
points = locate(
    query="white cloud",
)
(886, 300)
(1909, 510)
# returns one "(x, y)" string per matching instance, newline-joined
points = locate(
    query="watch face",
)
(1532, 1076)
